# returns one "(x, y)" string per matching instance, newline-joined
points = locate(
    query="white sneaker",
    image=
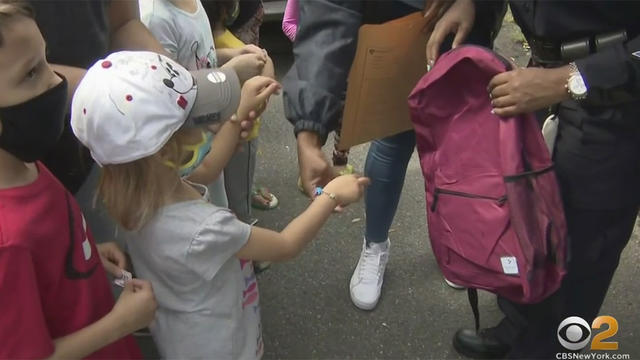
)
(367, 278)
(453, 285)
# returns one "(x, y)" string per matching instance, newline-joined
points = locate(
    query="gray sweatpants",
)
(238, 180)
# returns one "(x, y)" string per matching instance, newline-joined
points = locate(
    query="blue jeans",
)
(386, 166)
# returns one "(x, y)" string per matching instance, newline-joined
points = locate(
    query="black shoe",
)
(479, 345)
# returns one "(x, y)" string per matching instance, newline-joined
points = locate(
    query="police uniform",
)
(597, 157)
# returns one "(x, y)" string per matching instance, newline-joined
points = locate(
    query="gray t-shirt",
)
(208, 301)
(186, 36)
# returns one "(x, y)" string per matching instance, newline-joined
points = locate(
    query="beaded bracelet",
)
(320, 191)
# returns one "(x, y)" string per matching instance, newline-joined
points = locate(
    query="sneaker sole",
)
(454, 285)
(362, 306)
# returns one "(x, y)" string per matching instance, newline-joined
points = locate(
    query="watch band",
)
(574, 73)
(573, 69)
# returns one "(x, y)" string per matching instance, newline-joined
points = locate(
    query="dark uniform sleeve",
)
(315, 86)
(613, 75)
(489, 16)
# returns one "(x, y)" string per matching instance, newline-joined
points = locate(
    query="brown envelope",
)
(389, 62)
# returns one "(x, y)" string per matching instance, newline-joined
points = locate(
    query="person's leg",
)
(386, 166)
(598, 170)
(238, 179)
(598, 238)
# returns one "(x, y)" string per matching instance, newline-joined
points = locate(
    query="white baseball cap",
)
(129, 104)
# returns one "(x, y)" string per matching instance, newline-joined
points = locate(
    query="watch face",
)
(577, 86)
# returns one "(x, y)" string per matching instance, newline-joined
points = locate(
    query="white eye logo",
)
(216, 77)
(574, 333)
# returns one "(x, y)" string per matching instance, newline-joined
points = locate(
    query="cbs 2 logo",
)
(574, 333)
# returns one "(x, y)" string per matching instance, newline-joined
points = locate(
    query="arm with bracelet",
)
(269, 245)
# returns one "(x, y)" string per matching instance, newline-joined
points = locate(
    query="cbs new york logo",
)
(574, 333)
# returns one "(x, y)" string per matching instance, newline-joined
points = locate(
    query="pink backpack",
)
(494, 212)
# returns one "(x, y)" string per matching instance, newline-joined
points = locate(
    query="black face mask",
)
(31, 129)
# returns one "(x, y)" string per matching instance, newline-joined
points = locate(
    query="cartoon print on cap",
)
(173, 73)
(168, 79)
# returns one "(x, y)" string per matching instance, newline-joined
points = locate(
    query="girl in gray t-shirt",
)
(130, 111)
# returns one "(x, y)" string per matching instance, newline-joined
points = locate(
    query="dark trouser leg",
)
(597, 239)
(598, 171)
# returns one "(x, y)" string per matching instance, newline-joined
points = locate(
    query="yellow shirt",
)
(229, 41)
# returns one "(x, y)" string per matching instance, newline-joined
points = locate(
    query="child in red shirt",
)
(55, 298)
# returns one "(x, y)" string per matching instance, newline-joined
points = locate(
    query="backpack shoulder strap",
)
(473, 301)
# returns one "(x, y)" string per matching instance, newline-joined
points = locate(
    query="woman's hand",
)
(458, 20)
(523, 91)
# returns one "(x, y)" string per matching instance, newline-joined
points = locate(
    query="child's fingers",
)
(364, 181)
(139, 284)
(112, 268)
(260, 82)
(269, 90)
(266, 92)
(129, 286)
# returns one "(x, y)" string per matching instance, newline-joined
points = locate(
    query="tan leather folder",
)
(389, 62)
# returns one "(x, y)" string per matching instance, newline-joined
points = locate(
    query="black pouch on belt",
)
(578, 49)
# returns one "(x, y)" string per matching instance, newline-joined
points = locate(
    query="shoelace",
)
(369, 266)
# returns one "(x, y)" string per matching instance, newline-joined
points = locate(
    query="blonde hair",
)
(9, 9)
(133, 192)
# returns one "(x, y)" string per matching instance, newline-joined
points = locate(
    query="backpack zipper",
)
(499, 200)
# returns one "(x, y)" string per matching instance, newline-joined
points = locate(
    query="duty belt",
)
(549, 52)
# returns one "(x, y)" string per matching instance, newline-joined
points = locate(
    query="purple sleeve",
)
(290, 19)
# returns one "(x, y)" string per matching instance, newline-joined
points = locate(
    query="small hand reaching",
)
(247, 65)
(347, 188)
(255, 92)
(136, 306)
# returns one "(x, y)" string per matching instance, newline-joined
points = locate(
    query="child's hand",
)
(113, 259)
(136, 306)
(252, 49)
(347, 188)
(255, 92)
(247, 65)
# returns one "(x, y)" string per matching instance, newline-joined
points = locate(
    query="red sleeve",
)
(23, 329)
